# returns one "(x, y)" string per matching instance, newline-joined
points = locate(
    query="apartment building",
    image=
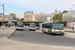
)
(28, 16)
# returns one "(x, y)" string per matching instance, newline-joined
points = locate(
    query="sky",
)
(47, 6)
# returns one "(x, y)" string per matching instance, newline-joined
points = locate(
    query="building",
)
(49, 19)
(69, 16)
(13, 16)
(52, 14)
(28, 16)
(42, 17)
(7, 17)
(1, 16)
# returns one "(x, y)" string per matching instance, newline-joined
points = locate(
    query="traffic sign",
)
(10, 21)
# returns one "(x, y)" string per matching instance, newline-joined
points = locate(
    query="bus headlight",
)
(62, 30)
(52, 30)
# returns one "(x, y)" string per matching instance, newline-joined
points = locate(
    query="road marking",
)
(65, 47)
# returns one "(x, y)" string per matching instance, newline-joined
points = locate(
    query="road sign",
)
(10, 21)
(1, 13)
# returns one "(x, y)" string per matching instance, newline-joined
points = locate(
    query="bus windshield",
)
(58, 26)
(32, 25)
(20, 25)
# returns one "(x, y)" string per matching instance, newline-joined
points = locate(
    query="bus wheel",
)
(29, 29)
(34, 30)
(22, 29)
(43, 32)
(50, 33)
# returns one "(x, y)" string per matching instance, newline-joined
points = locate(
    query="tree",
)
(17, 19)
(65, 11)
(22, 19)
(59, 16)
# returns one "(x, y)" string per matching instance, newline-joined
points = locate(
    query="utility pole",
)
(72, 7)
(3, 17)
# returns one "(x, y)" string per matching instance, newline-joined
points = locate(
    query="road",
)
(42, 38)
(70, 31)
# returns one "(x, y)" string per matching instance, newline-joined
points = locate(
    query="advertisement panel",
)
(10, 21)
(71, 24)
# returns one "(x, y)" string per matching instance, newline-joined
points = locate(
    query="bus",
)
(53, 27)
(19, 26)
(32, 26)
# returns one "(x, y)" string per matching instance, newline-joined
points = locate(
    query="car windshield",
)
(58, 26)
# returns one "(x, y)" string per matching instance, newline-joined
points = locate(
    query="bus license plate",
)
(33, 28)
(58, 33)
(59, 30)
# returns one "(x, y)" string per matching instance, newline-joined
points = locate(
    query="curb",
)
(8, 36)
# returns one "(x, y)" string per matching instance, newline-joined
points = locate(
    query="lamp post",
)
(55, 13)
(3, 16)
(72, 7)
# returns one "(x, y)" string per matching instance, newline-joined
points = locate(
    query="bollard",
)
(72, 28)
(3, 28)
(10, 26)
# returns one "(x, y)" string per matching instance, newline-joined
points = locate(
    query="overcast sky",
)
(48, 6)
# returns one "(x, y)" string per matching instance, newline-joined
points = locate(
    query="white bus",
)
(19, 26)
(32, 26)
(53, 27)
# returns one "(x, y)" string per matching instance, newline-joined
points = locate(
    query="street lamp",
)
(55, 13)
(70, 9)
(3, 16)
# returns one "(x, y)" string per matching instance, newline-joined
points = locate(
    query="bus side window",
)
(43, 26)
(47, 26)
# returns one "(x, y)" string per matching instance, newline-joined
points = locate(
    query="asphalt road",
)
(42, 38)
(70, 31)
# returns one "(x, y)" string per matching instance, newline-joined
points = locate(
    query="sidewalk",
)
(7, 44)
(6, 32)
